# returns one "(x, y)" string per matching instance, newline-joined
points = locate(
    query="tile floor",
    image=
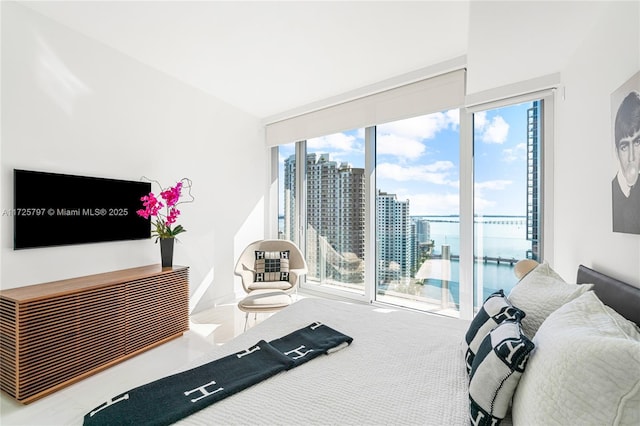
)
(69, 405)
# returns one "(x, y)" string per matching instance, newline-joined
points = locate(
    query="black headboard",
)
(622, 297)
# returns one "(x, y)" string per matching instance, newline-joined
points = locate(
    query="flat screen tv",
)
(52, 209)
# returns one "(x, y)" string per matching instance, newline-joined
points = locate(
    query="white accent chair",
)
(268, 296)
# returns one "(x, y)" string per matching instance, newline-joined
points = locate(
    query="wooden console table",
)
(54, 334)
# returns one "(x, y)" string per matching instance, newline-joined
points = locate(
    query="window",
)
(335, 209)
(287, 211)
(507, 145)
(427, 204)
(417, 211)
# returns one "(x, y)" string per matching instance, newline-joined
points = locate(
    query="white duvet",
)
(402, 368)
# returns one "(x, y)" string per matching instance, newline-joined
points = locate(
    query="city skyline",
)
(336, 196)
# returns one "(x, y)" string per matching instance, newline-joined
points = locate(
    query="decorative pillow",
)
(271, 266)
(494, 310)
(585, 370)
(496, 371)
(541, 292)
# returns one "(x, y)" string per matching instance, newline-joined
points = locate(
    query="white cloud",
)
(439, 166)
(422, 127)
(442, 204)
(481, 205)
(404, 138)
(335, 142)
(437, 173)
(509, 155)
(434, 204)
(449, 203)
(479, 120)
(492, 185)
(519, 152)
(453, 116)
(393, 144)
(495, 130)
(481, 200)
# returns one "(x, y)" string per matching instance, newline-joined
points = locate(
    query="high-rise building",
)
(289, 200)
(423, 230)
(422, 242)
(533, 176)
(394, 245)
(335, 218)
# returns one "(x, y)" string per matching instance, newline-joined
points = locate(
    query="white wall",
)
(584, 155)
(595, 46)
(73, 105)
(511, 42)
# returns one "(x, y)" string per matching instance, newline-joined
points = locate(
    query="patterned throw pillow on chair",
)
(272, 266)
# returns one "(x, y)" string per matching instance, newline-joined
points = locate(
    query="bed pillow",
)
(495, 309)
(496, 371)
(585, 369)
(541, 292)
(271, 266)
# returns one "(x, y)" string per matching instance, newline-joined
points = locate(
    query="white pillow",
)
(585, 369)
(541, 292)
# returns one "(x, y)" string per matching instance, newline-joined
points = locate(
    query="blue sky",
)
(418, 159)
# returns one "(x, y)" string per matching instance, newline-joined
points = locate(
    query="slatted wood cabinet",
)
(54, 334)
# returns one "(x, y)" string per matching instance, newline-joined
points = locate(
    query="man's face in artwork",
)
(629, 156)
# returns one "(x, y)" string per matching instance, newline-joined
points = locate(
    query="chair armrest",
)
(294, 275)
(247, 277)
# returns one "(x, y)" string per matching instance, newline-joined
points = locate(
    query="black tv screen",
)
(52, 209)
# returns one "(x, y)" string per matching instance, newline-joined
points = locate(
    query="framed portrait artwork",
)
(625, 186)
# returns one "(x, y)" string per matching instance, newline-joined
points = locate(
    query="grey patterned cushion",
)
(496, 371)
(494, 311)
(271, 266)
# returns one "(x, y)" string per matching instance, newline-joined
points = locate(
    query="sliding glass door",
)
(429, 212)
(334, 211)
(508, 144)
(417, 212)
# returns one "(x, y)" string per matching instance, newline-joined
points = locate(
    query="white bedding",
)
(402, 368)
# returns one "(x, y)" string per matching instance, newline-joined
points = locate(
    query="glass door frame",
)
(545, 185)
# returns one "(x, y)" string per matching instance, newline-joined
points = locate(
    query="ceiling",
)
(267, 57)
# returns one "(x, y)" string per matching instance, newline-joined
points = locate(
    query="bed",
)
(406, 367)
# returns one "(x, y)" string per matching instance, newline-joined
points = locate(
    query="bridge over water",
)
(495, 221)
(484, 259)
